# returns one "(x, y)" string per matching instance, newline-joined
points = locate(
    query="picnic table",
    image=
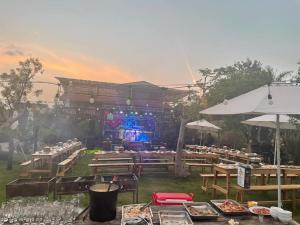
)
(55, 154)
(83, 219)
(229, 169)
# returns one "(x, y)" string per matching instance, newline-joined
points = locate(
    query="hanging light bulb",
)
(270, 98)
(92, 100)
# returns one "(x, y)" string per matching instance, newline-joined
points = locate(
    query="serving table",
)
(83, 219)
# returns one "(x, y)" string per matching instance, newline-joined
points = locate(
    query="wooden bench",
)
(113, 160)
(64, 166)
(96, 166)
(25, 172)
(207, 177)
(289, 176)
(67, 164)
(201, 165)
(195, 160)
(285, 187)
(156, 160)
(141, 166)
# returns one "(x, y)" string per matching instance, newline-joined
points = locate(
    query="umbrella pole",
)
(275, 152)
(278, 159)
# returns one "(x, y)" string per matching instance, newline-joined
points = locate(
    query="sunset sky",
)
(160, 41)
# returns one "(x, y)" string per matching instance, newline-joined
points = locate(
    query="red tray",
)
(171, 198)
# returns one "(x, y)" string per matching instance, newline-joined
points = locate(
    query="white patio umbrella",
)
(274, 99)
(269, 121)
(203, 126)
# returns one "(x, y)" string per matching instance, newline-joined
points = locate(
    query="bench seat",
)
(140, 166)
(64, 166)
(210, 176)
(26, 167)
(112, 159)
(201, 165)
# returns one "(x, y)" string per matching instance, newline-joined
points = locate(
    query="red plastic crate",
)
(171, 198)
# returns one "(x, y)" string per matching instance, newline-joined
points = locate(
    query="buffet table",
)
(83, 219)
(54, 154)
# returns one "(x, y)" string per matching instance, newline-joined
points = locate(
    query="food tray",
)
(204, 205)
(174, 218)
(216, 203)
(144, 214)
(147, 221)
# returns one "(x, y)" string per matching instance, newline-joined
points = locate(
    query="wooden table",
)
(226, 169)
(56, 154)
(83, 219)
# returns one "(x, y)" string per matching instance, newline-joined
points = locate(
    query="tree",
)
(237, 79)
(16, 85)
(185, 111)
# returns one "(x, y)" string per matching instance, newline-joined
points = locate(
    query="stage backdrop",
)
(131, 127)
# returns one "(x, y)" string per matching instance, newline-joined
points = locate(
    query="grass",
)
(147, 185)
(7, 176)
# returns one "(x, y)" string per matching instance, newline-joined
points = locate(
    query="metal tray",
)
(174, 218)
(236, 213)
(201, 217)
(148, 221)
(135, 205)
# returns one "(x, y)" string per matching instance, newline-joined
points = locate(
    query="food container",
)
(174, 218)
(203, 211)
(260, 210)
(251, 204)
(103, 202)
(171, 198)
(132, 211)
(234, 208)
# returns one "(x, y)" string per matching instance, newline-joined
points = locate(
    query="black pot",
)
(103, 203)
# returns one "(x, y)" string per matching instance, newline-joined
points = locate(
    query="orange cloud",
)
(62, 63)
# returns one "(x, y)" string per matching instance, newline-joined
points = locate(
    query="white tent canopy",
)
(275, 99)
(284, 100)
(203, 126)
(270, 122)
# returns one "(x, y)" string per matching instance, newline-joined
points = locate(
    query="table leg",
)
(294, 199)
(215, 183)
(50, 166)
(227, 185)
(262, 179)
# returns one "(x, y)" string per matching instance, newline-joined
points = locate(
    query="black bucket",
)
(103, 203)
